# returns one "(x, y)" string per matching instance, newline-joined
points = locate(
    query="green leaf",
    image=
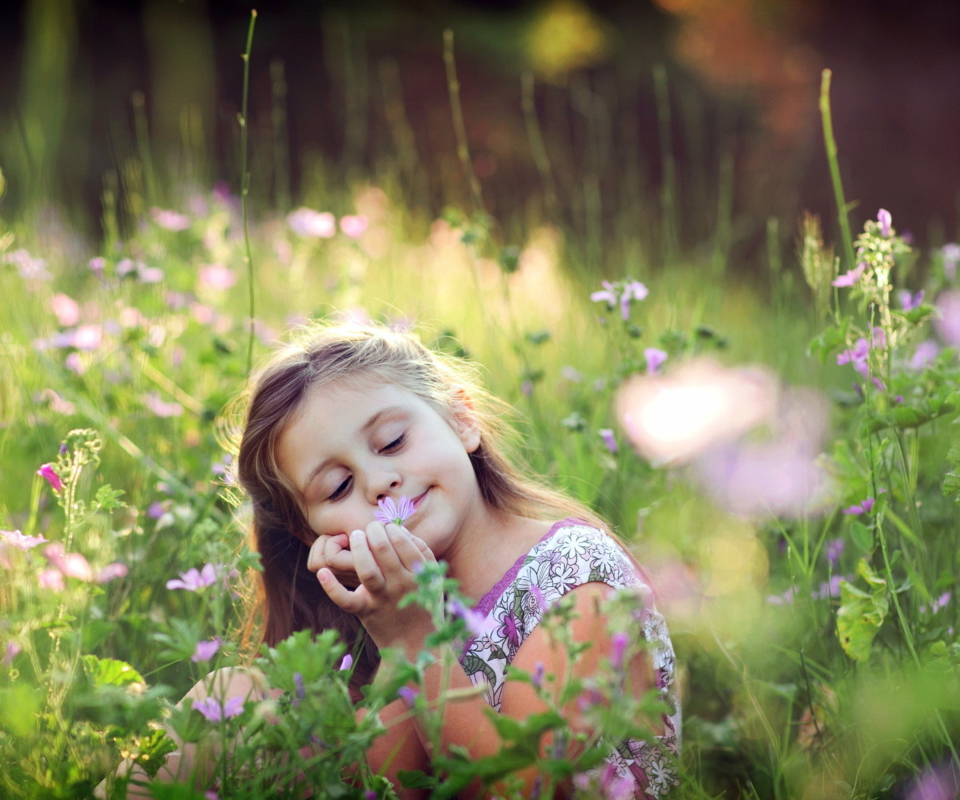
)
(861, 613)
(414, 779)
(108, 498)
(19, 707)
(110, 672)
(861, 536)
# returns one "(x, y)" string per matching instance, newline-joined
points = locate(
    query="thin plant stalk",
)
(831, 146)
(245, 186)
(459, 129)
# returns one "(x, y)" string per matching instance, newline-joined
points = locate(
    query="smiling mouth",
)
(418, 500)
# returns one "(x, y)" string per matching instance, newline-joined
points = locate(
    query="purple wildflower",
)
(473, 619)
(860, 508)
(398, 513)
(408, 695)
(632, 290)
(193, 580)
(299, 687)
(879, 338)
(346, 663)
(937, 604)
(537, 677)
(948, 324)
(48, 473)
(935, 783)
(608, 439)
(619, 642)
(851, 277)
(21, 541)
(924, 355)
(10, 653)
(112, 571)
(205, 650)
(312, 224)
(782, 599)
(608, 294)
(857, 356)
(655, 358)
(829, 589)
(834, 551)
(885, 220)
(908, 301)
(215, 712)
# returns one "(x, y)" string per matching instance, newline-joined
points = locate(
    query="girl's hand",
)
(333, 553)
(386, 558)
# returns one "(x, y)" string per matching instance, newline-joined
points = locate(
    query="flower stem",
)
(831, 146)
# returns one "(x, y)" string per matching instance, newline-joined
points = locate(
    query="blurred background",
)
(712, 100)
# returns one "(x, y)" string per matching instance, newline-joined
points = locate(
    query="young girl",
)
(347, 417)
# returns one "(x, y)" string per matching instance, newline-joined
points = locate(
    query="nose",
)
(382, 483)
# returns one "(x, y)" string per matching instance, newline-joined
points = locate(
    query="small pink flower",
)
(217, 276)
(397, 513)
(193, 580)
(66, 309)
(861, 508)
(72, 565)
(885, 220)
(49, 474)
(162, 408)
(22, 542)
(97, 265)
(312, 224)
(655, 358)
(205, 650)
(150, 274)
(948, 324)
(112, 572)
(171, 220)
(354, 226)
(408, 695)
(608, 439)
(87, 337)
(10, 653)
(74, 363)
(908, 301)
(51, 579)
(215, 712)
(851, 277)
(346, 663)
(618, 645)
(474, 620)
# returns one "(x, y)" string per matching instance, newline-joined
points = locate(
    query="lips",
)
(419, 499)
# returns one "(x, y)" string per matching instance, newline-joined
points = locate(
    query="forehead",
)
(332, 416)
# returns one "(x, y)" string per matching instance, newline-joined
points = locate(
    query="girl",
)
(347, 417)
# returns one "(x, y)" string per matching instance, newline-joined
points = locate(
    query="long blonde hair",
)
(290, 597)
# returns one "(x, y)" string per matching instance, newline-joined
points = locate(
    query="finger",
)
(408, 551)
(424, 549)
(381, 545)
(317, 557)
(368, 570)
(356, 602)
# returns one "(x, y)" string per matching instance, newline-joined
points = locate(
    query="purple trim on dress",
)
(489, 600)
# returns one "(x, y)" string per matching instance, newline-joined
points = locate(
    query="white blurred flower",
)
(313, 224)
(673, 419)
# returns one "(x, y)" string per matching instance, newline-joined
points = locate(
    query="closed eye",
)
(341, 490)
(396, 444)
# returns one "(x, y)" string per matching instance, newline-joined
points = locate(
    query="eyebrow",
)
(370, 423)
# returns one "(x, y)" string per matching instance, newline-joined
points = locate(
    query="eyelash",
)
(396, 444)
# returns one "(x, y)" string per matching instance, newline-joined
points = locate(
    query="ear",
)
(465, 421)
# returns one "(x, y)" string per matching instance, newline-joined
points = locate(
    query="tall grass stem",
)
(245, 187)
(831, 146)
(459, 129)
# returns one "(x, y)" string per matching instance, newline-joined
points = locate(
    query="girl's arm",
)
(386, 558)
(466, 723)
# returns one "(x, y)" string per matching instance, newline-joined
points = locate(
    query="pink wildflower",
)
(162, 408)
(205, 650)
(860, 508)
(193, 580)
(346, 663)
(851, 277)
(66, 309)
(619, 642)
(47, 472)
(112, 572)
(22, 542)
(608, 439)
(655, 358)
(215, 712)
(171, 220)
(397, 513)
(948, 324)
(51, 579)
(354, 226)
(217, 276)
(11, 651)
(885, 220)
(72, 565)
(312, 224)
(473, 619)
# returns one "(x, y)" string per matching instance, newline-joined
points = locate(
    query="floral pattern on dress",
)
(572, 554)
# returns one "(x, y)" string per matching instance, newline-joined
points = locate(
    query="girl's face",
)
(352, 444)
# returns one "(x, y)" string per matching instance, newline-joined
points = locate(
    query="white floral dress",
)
(571, 554)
